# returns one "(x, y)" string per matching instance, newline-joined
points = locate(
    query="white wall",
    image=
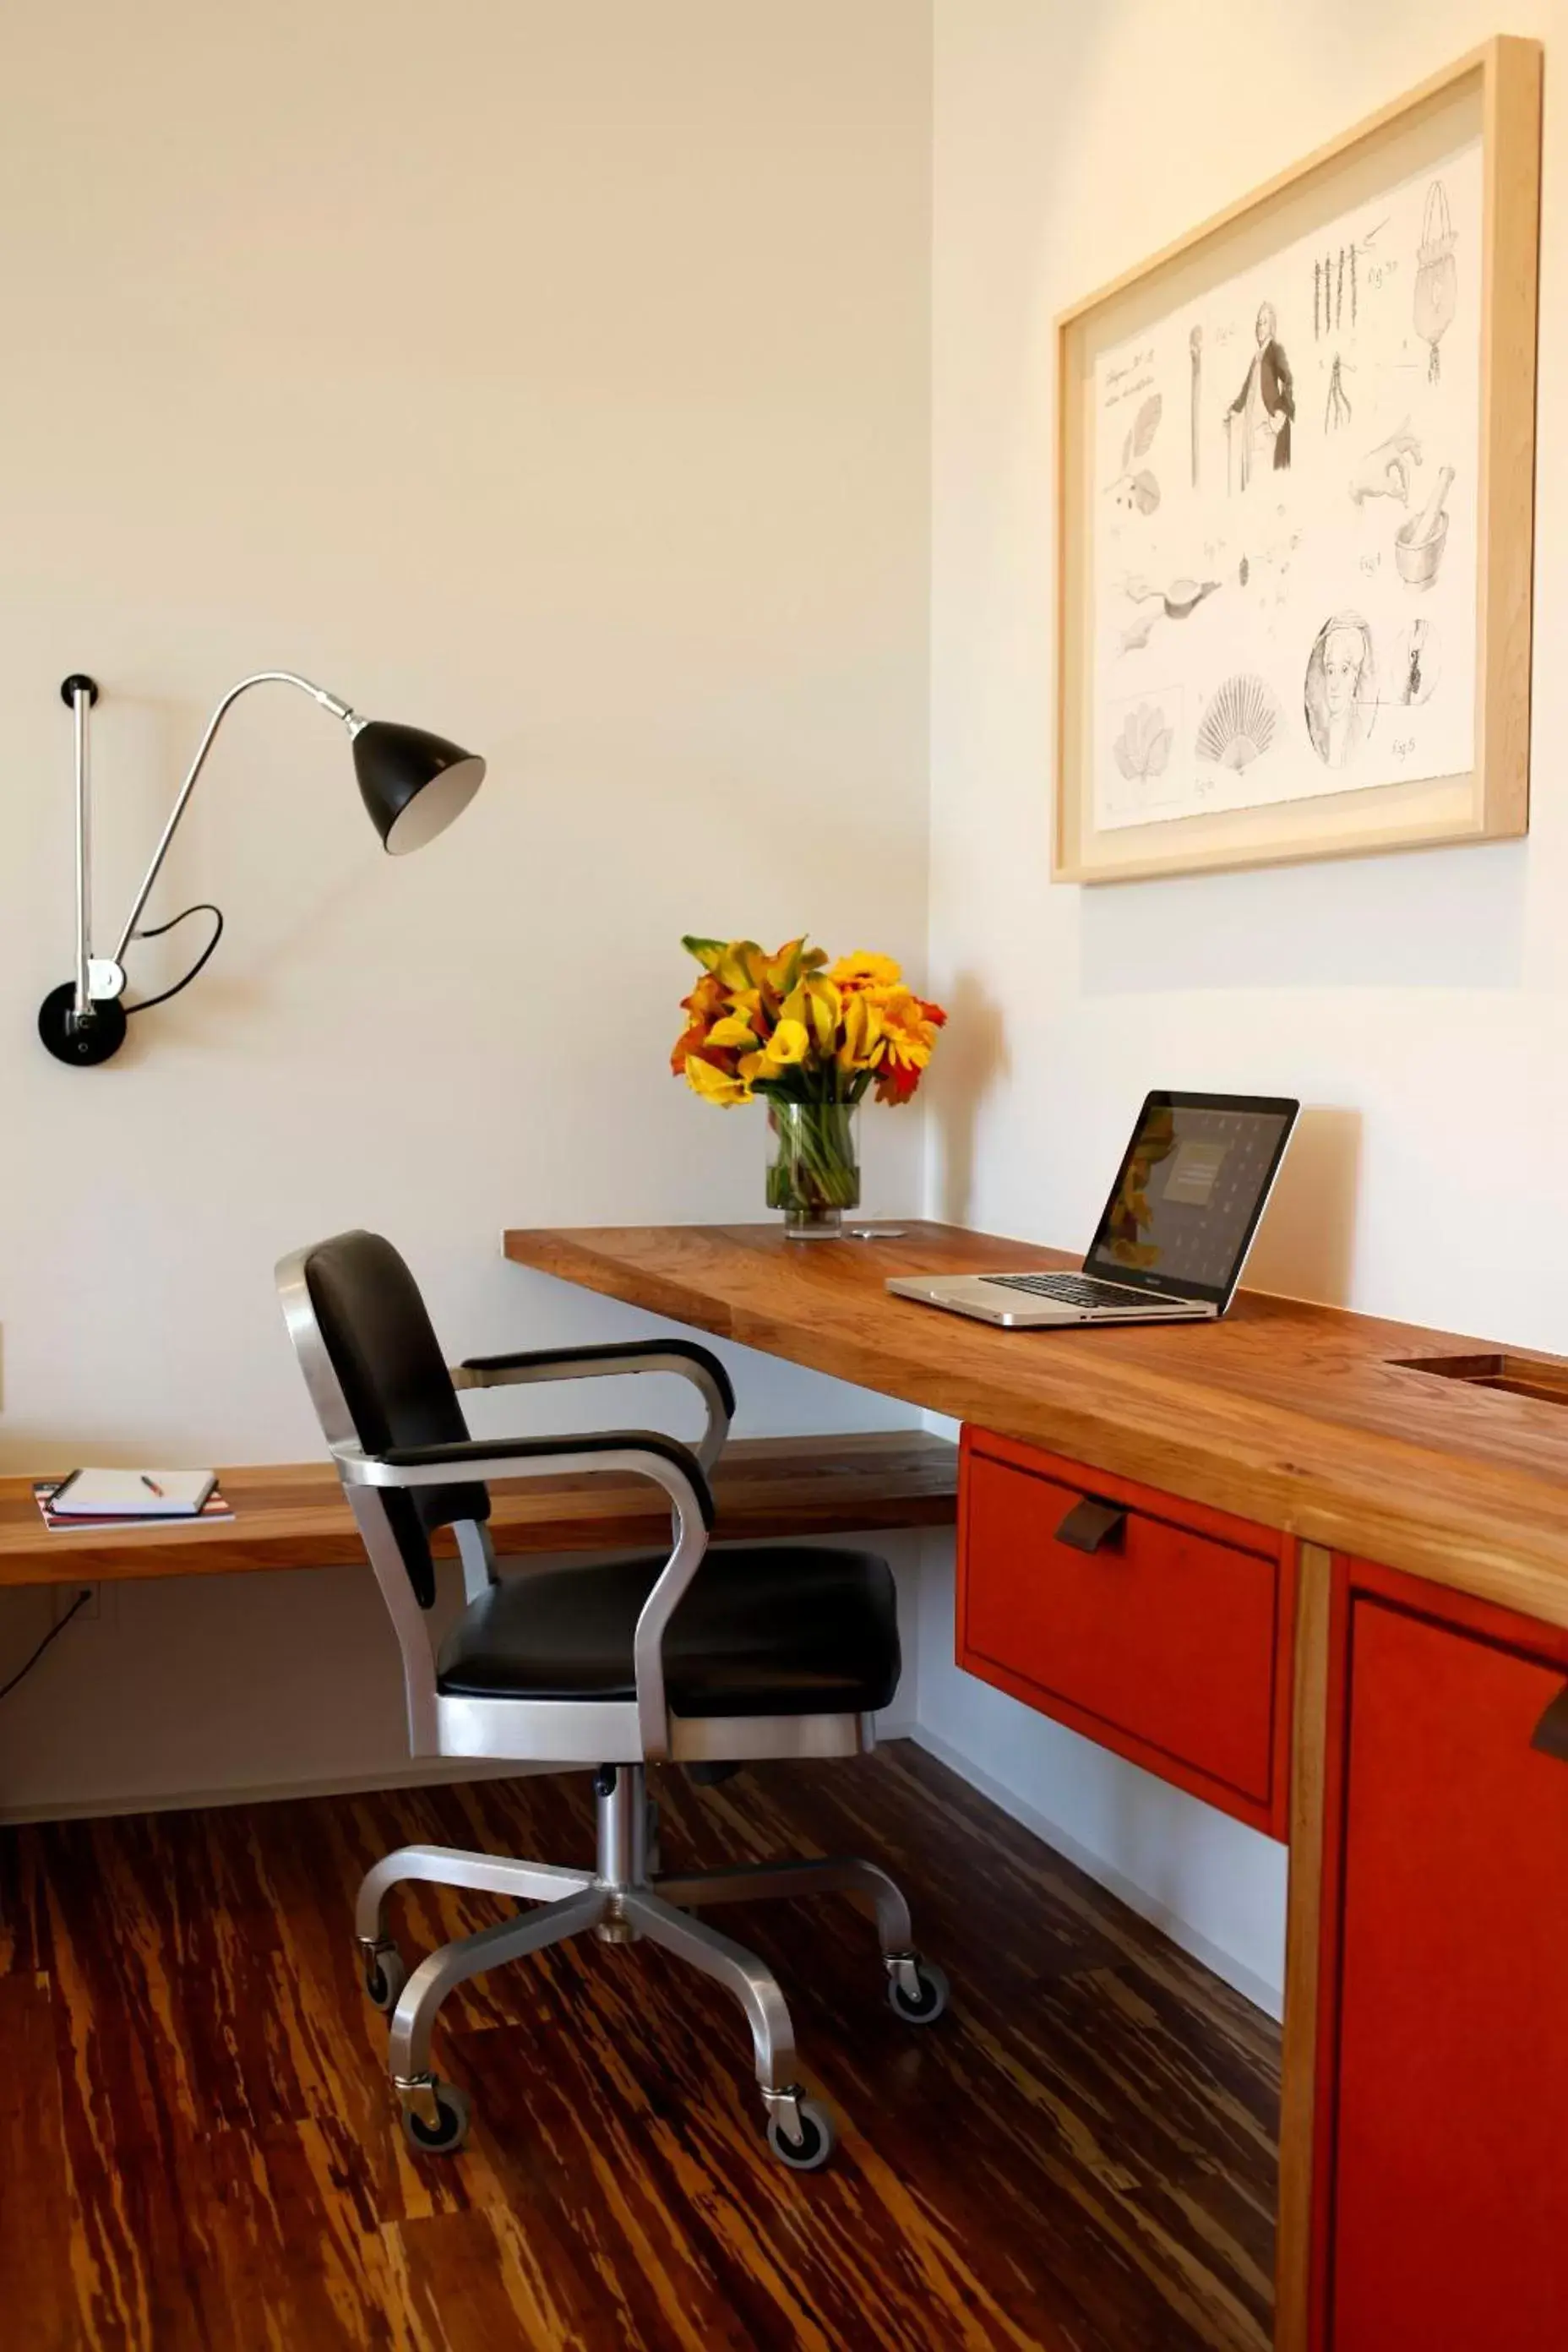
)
(556, 378)
(1416, 1002)
(559, 378)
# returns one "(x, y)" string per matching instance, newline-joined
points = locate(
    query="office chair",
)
(705, 1658)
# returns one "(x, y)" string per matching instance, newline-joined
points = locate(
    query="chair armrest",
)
(696, 1364)
(486, 1457)
(644, 1453)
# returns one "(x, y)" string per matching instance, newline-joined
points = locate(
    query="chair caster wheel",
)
(817, 2139)
(384, 1978)
(454, 2110)
(922, 2002)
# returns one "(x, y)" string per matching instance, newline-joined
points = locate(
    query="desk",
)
(295, 1516)
(1418, 1525)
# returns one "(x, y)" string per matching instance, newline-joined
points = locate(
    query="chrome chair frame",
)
(622, 1898)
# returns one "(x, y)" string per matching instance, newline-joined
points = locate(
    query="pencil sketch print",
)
(1384, 472)
(1283, 535)
(1138, 485)
(1176, 603)
(1238, 723)
(1419, 663)
(1196, 352)
(1436, 277)
(1341, 693)
(1142, 749)
(1330, 275)
(1418, 544)
(1260, 417)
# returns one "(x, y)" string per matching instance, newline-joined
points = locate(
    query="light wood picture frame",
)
(1322, 714)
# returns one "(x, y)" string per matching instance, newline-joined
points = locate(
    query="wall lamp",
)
(413, 785)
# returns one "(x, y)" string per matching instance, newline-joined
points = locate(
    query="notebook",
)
(132, 1495)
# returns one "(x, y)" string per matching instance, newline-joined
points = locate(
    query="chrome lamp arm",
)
(413, 785)
(339, 709)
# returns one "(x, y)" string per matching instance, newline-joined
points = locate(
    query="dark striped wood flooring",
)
(197, 2149)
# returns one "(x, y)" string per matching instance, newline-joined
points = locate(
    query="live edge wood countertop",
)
(1300, 1417)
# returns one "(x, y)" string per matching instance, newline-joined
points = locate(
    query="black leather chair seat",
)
(786, 1630)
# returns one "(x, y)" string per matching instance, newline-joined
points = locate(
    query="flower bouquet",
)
(812, 1039)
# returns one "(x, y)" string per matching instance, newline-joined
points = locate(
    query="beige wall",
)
(1419, 1004)
(552, 376)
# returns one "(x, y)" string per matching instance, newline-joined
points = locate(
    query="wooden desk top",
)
(295, 1517)
(1300, 1417)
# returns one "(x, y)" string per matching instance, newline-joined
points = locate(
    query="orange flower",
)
(690, 1041)
(910, 1028)
(865, 969)
(793, 1026)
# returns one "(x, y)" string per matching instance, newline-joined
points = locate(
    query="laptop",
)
(1170, 1247)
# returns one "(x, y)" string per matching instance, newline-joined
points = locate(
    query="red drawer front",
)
(1163, 1644)
(1449, 2222)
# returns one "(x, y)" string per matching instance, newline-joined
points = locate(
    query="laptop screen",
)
(1190, 1192)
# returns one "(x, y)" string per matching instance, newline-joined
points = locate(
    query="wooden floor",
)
(197, 2148)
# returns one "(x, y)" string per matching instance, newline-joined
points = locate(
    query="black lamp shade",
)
(413, 784)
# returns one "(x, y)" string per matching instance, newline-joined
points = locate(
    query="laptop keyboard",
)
(1070, 1289)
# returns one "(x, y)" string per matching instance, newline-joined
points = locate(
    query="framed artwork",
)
(1296, 473)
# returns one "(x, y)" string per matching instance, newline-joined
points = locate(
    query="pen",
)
(150, 1483)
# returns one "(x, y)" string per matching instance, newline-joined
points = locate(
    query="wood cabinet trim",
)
(1298, 2117)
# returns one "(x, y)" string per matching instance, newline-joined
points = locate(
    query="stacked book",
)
(117, 1499)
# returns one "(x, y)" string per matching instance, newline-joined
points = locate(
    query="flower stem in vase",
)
(814, 1174)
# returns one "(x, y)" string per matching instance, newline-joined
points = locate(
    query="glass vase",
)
(814, 1167)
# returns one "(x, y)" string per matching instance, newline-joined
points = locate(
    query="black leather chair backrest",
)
(395, 1382)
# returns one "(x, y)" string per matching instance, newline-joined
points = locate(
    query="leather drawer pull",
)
(1552, 1731)
(1092, 1526)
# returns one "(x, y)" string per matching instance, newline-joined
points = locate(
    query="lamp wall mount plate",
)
(413, 784)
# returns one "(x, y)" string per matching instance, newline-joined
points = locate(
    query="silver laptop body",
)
(1193, 1185)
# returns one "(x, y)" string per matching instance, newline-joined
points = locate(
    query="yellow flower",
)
(788, 1046)
(714, 1084)
(865, 969)
(910, 1035)
(753, 1017)
(741, 965)
(815, 1003)
(736, 963)
(732, 1034)
(910, 1028)
(789, 1043)
(861, 1048)
(782, 972)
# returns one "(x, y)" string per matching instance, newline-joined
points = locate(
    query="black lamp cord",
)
(146, 1003)
(52, 1635)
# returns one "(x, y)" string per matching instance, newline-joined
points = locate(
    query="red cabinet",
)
(1442, 2198)
(1155, 1627)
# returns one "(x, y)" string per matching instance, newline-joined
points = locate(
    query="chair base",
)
(621, 1901)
